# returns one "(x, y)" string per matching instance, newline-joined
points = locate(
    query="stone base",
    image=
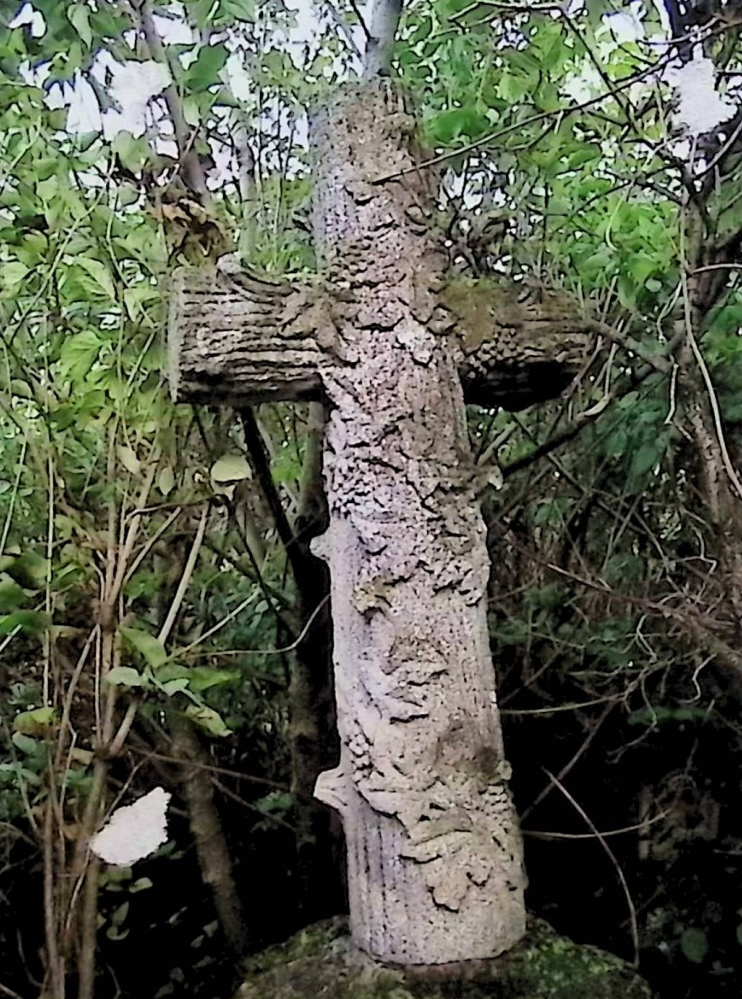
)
(320, 963)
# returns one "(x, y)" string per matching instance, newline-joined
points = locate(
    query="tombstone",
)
(394, 346)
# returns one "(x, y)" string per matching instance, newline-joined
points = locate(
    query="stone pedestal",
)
(321, 963)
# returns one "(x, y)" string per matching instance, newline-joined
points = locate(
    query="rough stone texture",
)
(243, 341)
(434, 851)
(320, 963)
(519, 345)
(240, 340)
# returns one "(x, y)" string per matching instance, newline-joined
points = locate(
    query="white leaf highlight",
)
(135, 831)
(702, 109)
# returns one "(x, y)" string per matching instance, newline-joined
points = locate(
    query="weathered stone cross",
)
(394, 346)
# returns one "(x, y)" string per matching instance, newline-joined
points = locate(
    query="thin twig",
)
(637, 827)
(212, 768)
(151, 542)
(117, 743)
(4, 990)
(601, 839)
(660, 362)
(623, 84)
(254, 652)
(344, 27)
(361, 19)
(185, 579)
(570, 764)
(571, 706)
(251, 807)
(713, 401)
(508, 7)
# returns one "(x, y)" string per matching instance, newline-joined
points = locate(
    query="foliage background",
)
(146, 584)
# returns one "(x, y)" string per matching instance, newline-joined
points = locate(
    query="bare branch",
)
(345, 28)
(191, 170)
(599, 836)
(584, 419)
(361, 19)
(384, 21)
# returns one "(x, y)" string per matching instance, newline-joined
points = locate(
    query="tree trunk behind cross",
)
(434, 851)
(435, 870)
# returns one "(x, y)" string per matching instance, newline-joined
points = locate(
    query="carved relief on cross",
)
(393, 346)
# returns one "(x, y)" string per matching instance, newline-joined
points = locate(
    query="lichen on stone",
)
(518, 345)
(321, 963)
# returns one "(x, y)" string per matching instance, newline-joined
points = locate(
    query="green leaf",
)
(202, 677)
(240, 10)
(647, 456)
(125, 676)
(171, 671)
(29, 570)
(137, 297)
(659, 715)
(512, 87)
(640, 266)
(79, 17)
(129, 460)
(100, 275)
(12, 596)
(32, 621)
(694, 945)
(176, 686)
(230, 468)
(150, 648)
(19, 774)
(131, 151)
(78, 354)
(450, 125)
(207, 719)
(286, 464)
(166, 480)
(141, 884)
(201, 11)
(34, 722)
(554, 52)
(84, 141)
(12, 274)
(192, 112)
(27, 745)
(114, 933)
(276, 801)
(626, 292)
(204, 71)
(728, 318)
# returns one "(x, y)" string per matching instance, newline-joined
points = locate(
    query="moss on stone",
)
(515, 316)
(320, 963)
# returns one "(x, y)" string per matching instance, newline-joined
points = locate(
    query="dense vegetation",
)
(161, 620)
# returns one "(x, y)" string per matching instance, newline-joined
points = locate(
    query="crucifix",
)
(394, 345)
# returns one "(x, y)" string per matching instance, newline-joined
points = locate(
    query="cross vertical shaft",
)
(434, 850)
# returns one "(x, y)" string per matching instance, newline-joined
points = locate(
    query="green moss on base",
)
(547, 966)
(320, 963)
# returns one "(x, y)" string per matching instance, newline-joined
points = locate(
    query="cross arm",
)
(518, 346)
(239, 338)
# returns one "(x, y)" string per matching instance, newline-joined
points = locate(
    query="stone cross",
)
(394, 345)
